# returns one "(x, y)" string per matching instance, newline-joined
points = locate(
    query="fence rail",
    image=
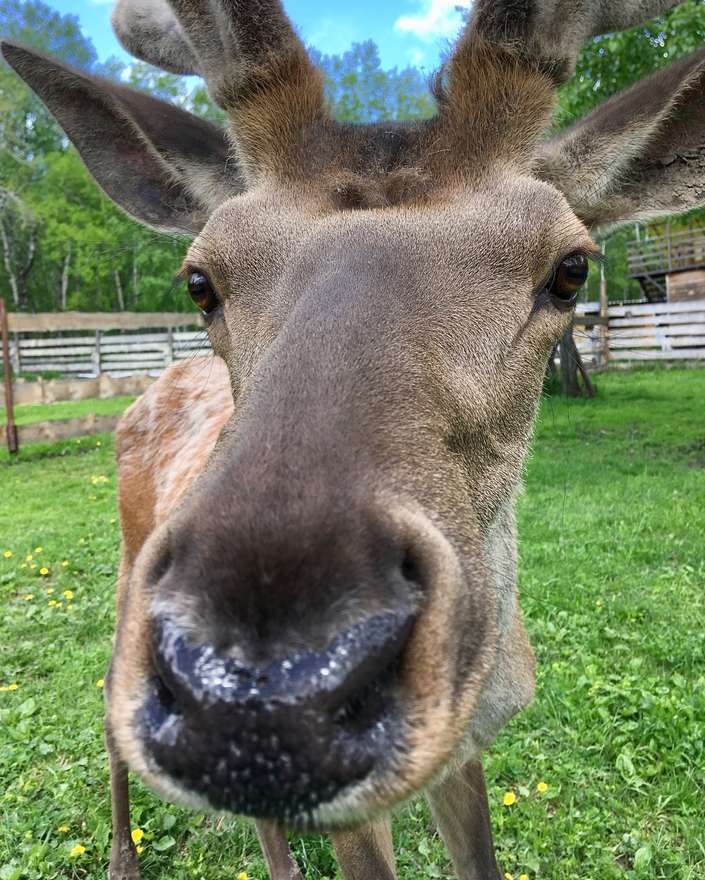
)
(644, 332)
(100, 351)
(675, 252)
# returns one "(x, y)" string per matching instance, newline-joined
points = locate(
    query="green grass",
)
(613, 585)
(31, 413)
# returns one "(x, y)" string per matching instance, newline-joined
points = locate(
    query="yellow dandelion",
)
(7, 554)
(542, 787)
(44, 571)
(99, 684)
(12, 687)
(32, 564)
(140, 850)
(68, 594)
(50, 590)
(65, 563)
(28, 597)
(77, 850)
(63, 829)
(137, 835)
(509, 799)
(28, 557)
(523, 877)
(38, 549)
(242, 876)
(508, 876)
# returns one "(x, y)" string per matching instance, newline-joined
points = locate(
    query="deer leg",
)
(366, 853)
(280, 859)
(124, 864)
(462, 812)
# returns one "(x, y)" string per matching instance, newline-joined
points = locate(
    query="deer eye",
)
(202, 293)
(569, 276)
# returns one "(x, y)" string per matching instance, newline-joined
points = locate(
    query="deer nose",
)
(278, 740)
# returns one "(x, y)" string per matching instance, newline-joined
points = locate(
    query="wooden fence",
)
(93, 344)
(644, 332)
(628, 334)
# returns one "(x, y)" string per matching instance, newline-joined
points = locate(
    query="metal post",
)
(670, 252)
(604, 314)
(10, 426)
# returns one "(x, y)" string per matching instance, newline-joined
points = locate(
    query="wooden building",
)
(670, 267)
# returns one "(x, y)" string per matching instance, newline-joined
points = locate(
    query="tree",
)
(607, 65)
(66, 244)
(360, 90)
(18, 234)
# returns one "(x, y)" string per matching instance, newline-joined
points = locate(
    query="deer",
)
(317, 607)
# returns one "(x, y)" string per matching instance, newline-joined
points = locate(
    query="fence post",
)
(10, 426)
(96, 353)
(169, 346)
(16, 354)
(605, 315)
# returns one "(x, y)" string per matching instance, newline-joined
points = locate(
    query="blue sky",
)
(406, 31)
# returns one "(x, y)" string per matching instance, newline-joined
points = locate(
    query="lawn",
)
(613, 584)
(31, 413)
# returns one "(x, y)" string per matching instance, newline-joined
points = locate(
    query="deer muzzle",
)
(279, 740)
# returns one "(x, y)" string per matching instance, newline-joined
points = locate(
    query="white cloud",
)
(437, 18)
(417, 57)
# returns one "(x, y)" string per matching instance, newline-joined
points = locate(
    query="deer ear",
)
(167, 168)
(639, 155)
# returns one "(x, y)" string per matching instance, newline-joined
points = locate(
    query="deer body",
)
(317, 608)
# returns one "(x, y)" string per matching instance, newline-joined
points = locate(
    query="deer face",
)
(329, 616)
(322, 613)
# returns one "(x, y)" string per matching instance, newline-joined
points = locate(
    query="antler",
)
(255, 66)
(151, 32)
(550, 33)
(502, 77)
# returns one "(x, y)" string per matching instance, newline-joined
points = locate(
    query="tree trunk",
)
(24, 273)
(65, 279)
(119, 290)
(571, 366)
(135, 277)
(7, 256)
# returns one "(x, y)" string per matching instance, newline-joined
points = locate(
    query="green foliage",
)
(71, 248)
(88, 255)
(612, 573)
(35, 24)
(609, 64)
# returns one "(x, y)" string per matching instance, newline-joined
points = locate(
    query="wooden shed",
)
(670, 267)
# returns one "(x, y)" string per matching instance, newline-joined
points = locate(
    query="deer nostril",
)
(410, 568)
(366, 706)
(160, 566)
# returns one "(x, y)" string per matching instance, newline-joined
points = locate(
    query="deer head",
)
(329, 618)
